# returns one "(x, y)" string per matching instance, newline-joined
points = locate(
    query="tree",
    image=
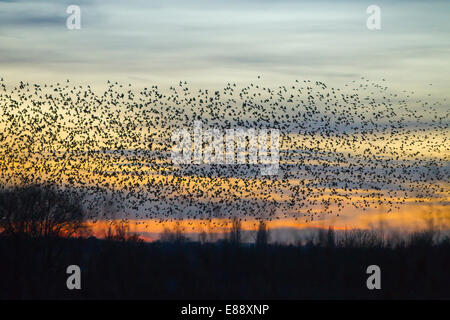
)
(175, 235)
(262, 236)
(327, 238)
(119, 230)
(235, 231)
(38, 211)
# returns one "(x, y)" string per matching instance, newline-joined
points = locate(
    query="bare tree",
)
(203, 237)
(119, 230)
(41, 212)
(235, 231)
(262, 236)
(175, 235)
(327, 238)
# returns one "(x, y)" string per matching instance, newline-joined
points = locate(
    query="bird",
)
(357, 147)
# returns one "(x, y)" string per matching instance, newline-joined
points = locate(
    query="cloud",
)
(209, 41)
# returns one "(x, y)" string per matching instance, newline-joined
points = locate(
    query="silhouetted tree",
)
(262, 236)
(175, 235)
(41, 212)
(361, 239)
(119, 230)
(331, 237)
(327, 238)
(202, 237)
(235, 231)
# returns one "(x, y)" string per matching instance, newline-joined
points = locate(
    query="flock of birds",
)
(359, 147)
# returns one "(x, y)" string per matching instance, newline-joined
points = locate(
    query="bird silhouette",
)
(359, 147)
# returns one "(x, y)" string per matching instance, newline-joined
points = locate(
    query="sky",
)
(211, 43)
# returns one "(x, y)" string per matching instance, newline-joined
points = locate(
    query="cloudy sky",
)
(210, 43)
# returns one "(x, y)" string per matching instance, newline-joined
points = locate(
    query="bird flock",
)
(359, 147)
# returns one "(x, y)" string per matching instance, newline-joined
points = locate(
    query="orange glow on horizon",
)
(410, 218)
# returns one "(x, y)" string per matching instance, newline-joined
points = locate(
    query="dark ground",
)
(36, 268)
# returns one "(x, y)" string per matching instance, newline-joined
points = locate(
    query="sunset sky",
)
(272, 43)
